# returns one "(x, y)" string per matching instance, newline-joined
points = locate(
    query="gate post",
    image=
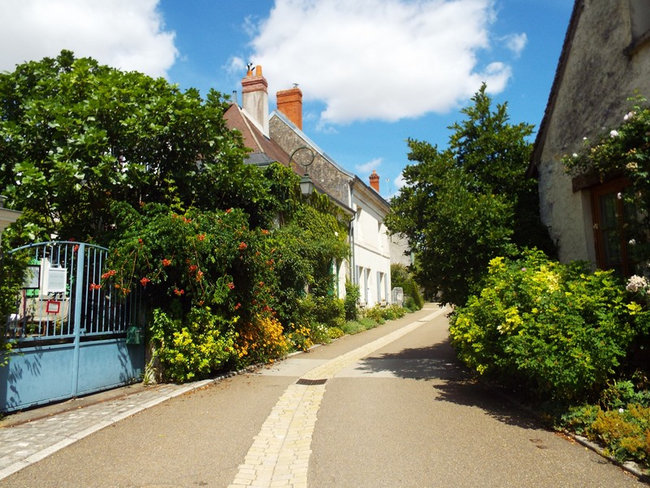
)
(78, 296)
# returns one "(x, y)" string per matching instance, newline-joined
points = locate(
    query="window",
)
(610, 216)
(381, 297)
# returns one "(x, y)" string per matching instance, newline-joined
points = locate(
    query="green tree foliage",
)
(470, 202)
(76, 136)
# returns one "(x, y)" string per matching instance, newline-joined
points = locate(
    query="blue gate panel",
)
(109, 363)
(35, 376)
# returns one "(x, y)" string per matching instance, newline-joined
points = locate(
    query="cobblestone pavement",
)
(31, 441)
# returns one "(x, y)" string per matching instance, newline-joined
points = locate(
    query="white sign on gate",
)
(53, 278)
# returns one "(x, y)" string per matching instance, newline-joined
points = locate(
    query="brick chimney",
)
(255, 98)
(290, 104)
(374, 181)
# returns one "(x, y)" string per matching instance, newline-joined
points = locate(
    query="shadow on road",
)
(453, 382)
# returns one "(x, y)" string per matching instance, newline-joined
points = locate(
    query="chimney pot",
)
(374, 181)
(255, 98)
(290, 104)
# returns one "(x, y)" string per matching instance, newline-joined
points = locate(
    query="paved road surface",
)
(387, 408)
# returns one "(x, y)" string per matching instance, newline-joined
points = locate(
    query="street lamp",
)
(306, 185)
(304, 156)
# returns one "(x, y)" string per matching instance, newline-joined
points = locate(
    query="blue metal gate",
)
(71, 335)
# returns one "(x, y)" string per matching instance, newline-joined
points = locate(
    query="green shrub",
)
(619, 394)
(579, 419)
(380, 314)
(393, 312)
(356, 326)
(320, 333)
(329, 311)
(558, 330)
(352, 327)
(325, 310)
(375, 313)
(352, 295)
(624, 431)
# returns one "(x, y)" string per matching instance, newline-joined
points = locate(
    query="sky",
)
(373, 73)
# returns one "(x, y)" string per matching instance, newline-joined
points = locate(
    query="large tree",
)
(463, 205)
(76, 136)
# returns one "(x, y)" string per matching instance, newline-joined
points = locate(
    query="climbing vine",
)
(623, 152)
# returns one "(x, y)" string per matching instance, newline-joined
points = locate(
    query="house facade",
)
(369, 263)
(605, 61)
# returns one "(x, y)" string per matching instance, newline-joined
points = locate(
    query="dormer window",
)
(639, 24)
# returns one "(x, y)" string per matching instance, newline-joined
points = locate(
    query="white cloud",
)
(235, 65)
(516, 42)
(400, 182)
(366, 168)
(126, 34)
(379, 59)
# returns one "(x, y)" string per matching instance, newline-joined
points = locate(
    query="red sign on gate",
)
(53, 307)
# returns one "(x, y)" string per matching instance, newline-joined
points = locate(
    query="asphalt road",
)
(397, 413)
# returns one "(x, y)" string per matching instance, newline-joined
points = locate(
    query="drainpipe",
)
(353, 267)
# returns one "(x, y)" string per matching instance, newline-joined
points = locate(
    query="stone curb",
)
(629, 466)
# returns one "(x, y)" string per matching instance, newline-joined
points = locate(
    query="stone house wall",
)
(321, 171)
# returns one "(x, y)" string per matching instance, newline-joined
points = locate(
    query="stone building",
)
(605, 60)
(370, 259)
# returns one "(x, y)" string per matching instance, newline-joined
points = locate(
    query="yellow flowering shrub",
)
(624, 432)
(261, 340)
(301, 338)
(197, 350)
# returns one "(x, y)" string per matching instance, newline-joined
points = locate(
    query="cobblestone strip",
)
(279, 456)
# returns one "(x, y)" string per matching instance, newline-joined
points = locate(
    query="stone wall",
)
(321, 171)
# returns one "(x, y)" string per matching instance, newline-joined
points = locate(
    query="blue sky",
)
(373, 72)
